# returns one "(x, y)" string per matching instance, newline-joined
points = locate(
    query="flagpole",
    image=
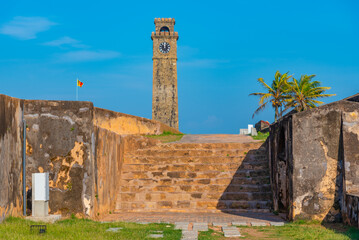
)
(77, 90)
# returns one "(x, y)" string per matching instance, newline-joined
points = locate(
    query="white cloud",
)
(85, 55)
(26, 27)
(66, 41)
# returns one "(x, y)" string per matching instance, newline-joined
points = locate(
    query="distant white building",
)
(249, 131)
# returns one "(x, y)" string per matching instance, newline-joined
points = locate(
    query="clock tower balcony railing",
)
(162, 34)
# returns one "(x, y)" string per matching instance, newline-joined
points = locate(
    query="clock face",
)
(165, 47)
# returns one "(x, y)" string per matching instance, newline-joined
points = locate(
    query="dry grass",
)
(167, 137)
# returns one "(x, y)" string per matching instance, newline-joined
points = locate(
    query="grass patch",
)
(261, 136)
(17, 228)
(167, 137)
(302, 230)
(210, 235)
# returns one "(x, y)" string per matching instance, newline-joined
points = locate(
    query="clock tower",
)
(164, 96)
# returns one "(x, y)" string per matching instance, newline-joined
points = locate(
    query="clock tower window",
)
(165, 29)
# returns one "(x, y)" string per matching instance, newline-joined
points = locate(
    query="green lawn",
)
(298, 231)
(17, 228)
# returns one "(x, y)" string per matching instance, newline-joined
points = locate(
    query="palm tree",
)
(276, 93)
(304, 93)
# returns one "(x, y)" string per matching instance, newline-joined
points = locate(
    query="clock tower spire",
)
(164, 95)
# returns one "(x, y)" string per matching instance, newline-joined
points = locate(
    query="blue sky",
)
(223, 48)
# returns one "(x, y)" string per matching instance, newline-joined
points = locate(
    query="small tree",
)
(275, 94)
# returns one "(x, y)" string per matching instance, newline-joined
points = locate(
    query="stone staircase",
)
(195, 177)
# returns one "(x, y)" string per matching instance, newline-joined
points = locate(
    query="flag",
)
(79, 83)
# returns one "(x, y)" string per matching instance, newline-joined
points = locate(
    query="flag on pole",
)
(79, 83)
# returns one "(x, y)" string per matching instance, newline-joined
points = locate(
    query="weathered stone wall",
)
(10, 157)
(316, 145)
(350, 211)
(351, 149)
(60, 141)
(317, 175)
(109, 159)
(279, 145)
(121, 123)
(350, 128)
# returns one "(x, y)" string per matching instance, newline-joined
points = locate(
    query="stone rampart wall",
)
(317, 176)
(79, 145)
(121, 123)
(109, 159)
(11, 129)
(351, 150)
(312, 148)
(280, 159)
(60, 141)
(350, 210)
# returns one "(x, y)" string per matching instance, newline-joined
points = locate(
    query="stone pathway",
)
(217, 217)
(231, 231)
(216, 138)
(190, 229)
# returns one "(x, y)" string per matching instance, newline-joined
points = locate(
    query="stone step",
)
(162, 194)
(191, 174)
(164, 210)
(196, 167)
(178, 146)
(200, 205)
(168, 159)
(197, 181)
(204, 189)
(194, 152)
(247, 196)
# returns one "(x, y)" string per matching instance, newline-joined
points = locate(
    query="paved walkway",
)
(156, 217)
(216, 138)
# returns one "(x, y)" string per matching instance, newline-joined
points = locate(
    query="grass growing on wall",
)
(167, 136)
(261, 136)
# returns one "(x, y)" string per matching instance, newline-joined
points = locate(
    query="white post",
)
(40, 194)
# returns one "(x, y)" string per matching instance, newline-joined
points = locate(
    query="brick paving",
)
(220, 217)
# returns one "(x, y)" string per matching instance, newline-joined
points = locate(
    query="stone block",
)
(188, 234)
(155, 236)
(277, 224)
(239, 223)
(258, 224)
(46, 219)
(114, 229)
(183, 204)
(196, 195)
(128, 196)
(165, 204)
(164, 189)
(219, 224)
(200, 227)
